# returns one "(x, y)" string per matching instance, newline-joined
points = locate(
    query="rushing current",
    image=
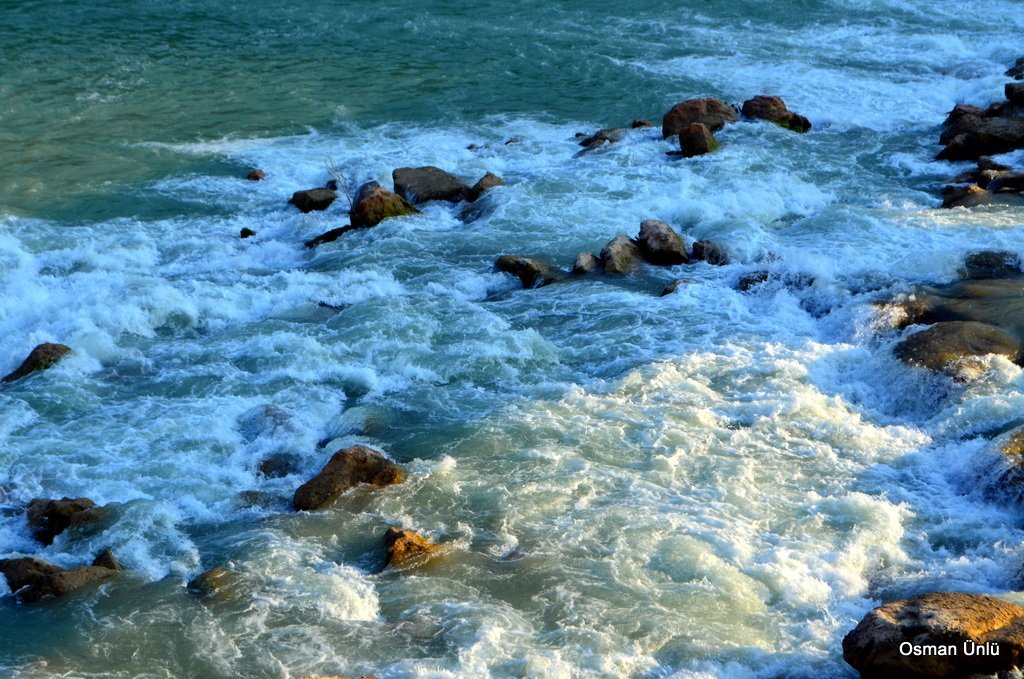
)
(715, 483)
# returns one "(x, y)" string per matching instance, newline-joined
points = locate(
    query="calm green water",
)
(711, 484)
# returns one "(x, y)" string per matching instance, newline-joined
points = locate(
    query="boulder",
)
(883, 643)
(711, 252)
(619, 256)
(423, 184)
(964, 196)
(34, 579)
(972, 136)
(40, 358)
(696, 140)
(989, 264)
(773, 109)
(485, 184)
(405, 547)
(1015, 93)
(373, 204)
(533, 273)
(246, 232)
(255, 174)
(311, 200)
(585, 262)
(50, 518)
(940, 346)
(608, 135)
(713, 113)
(660, 244)
(216, 581)
(347, 468)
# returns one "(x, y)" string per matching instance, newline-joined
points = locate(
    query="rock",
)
(751, 280)
(346, 469)
(986, 163)
(278, 465)
(1004, 182)
(696, 140)
(216, 581)
(972, 136)
(255, 174)
(50, 518)
(608, 135)
(673, 286)
(517, 139)
(660, 244)
(1017, 70)
(373, 204)
(1014, 445)
(998, 301)
(773, 109)
(619, 255)
(636, 124)
(533, 273)
(940, 346)
(991, 264)
(964, 196)
(106, 559)
(961, 110)
(34, 579)
(40, 358)
(246, 232)
(404, 546)
(485, 184)
(313, 199)
(963, 621)
(329, 236)
(1015, 93)
(585, 262)
(710, 252)
(713, 113)
(423, 184)
(793, 281)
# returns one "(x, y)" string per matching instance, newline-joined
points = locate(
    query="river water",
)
(711, 484)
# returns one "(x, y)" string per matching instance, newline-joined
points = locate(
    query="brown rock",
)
(943, 344)
(346, 469)
(373, 204)
(255, 174)
(619, 256)
(773, 109)
(216, 581)
(998, 301)
(40, 358)
(405, 546)
(989, 264)
(106, 559)
(696, 140)
(50, 518)
(313, 199)
(636, 124)
(34, 579)
(585, 262)
(961, 110)
(660, 244)
(485, 184)
(533, 273)
(964, 196)
(246, 232)
(710, 252)
(608, 135)
(422, 184)
(713, 113)
(972, 136)
(937, 619)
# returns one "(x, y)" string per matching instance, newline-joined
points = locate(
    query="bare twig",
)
(337, 176)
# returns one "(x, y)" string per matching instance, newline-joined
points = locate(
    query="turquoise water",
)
(710, 484)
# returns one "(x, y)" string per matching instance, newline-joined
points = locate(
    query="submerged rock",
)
(106, 559)
(710, 252)
(50, 518)
(485, 184)
(311, 200)
(989, 264)
(246, 232)
(34, 579)
(347, 468)
(423, 184)
(255, 174)
(608, 135)
(373, 204)
(940, 346)
(639, 123)
(619, 256)
(660, 244)
(882, 643)
(42, 357)
(696, 140)
(405, 547)
(773, 109)
(216, 581)
(585, 262)
(964, 196)
(673, 286)
(1017, 70)
(278, 465)
(713, 113)
(329, 236)
(533, 273)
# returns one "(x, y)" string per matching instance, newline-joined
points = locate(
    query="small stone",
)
(636, 124)
(673, 286)
(246, 232)
(312, 200)
(405, 546)
(255, 174)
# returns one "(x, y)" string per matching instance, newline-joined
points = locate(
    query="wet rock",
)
(533, 273)
(106, 559)
(660, 244)
(40, 358)
(755, 279)
(1015, 93)
(264, 420)
(773, 109)
(311, 200)
(608, 135)
(423, 184)
(1014, 444)
(585, 262)
(485, 184)
(329, 236)
(961, 110)
(937, 619)
(346, 469)
(673, 286)
(997, 301)
(972, 136)
(696, 140)
(246, 232)
(34, 579)
(1003, 182)
(991, 264)
(517, 139)
(373, 204)
(1017, 70)
(405, 547)
(278, 465)
(964, 196)
(940, 346)
(638, 123)
(713, 113)
(255, 174)
(216, 581)
(620, 255)
(711, 252)
(50, 518)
